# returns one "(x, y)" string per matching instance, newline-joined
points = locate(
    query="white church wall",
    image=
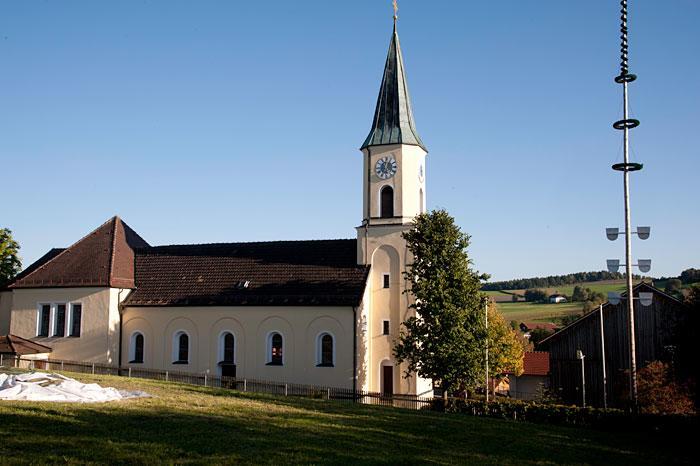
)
(300, 328)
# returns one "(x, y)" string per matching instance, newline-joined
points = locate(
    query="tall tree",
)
(10, 263)
(445, 340)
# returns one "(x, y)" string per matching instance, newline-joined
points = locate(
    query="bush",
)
(660, 394)
(673, 285)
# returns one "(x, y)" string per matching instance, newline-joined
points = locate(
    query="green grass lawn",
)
(185, 424)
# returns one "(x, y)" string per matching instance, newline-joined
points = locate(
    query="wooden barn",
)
(664, 331)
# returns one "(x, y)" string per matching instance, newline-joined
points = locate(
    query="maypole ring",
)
(627, 167)
(626, 124)
(625, 78)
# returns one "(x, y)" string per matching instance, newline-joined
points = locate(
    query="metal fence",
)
(226, 383)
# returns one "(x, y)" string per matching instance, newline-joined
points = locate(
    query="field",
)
(187, 424)
(533, 312)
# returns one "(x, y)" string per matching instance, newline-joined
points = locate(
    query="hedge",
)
(605, 419)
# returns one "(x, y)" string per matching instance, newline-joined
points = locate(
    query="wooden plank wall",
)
(660, 335)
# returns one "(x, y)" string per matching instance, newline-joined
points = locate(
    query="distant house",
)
(664, 331)
(557, 298)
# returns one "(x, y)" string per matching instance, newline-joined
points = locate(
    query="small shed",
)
(12, 346)
(534, 379)
(664, 331)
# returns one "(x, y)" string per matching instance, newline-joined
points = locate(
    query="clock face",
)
(386, 167)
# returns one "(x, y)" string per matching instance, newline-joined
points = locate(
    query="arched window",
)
(422, 201)
(275, 345)
(387, 202)
(181, 348)
(325, 350)
(136, 348)
(228, 348)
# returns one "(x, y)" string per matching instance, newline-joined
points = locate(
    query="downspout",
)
(354, 353)
(120, 308)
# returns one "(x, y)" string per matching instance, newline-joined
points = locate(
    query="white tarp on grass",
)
(38, 386)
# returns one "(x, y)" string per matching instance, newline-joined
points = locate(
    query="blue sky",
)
(216, 121)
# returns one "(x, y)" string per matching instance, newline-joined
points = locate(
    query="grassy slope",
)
(529, 312)
(194, 424)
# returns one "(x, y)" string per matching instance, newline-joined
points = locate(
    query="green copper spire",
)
(393, 119)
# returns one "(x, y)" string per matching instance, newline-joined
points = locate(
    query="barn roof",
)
(643, 287)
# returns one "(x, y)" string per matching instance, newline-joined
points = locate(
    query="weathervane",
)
(396, 10)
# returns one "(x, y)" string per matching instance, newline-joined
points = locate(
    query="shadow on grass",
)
(275, 430)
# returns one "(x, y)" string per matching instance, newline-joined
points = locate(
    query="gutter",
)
(354, 352)
(120, 307)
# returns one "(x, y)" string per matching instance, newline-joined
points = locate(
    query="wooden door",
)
(388, 380)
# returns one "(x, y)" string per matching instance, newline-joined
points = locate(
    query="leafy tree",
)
(579, 294)
(10, 263)
(690, 276)
(539, 334)
(445, 340)
(505, 349)
(554, 281)
(536, 296)
(514, 325)
(693, 298)
(673, 285)
(569, 319)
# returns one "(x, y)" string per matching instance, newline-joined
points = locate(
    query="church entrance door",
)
(387, 380)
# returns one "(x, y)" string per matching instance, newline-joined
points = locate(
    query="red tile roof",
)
(290, 273)
(12, 344)
(536, 363)
(104, 257)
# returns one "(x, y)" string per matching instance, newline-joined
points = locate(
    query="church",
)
(322, 312)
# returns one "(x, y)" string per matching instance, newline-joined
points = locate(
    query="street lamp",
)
(644, 265)
(645, 298)
(580, 356)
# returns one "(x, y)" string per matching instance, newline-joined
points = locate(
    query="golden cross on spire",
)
(396, 10)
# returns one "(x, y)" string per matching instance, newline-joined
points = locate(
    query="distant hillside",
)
(553, 281)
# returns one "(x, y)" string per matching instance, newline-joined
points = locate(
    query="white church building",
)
(324, 312)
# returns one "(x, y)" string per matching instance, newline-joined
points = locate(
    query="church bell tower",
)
(393, 180)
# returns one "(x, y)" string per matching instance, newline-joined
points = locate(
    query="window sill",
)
(325, 365)
(274, 364)
(181, 363)
(137, 362)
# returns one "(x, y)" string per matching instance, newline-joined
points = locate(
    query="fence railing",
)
(227, 383)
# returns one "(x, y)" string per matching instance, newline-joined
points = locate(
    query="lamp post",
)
(602, 357)
(580, 356)
(486, 314)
